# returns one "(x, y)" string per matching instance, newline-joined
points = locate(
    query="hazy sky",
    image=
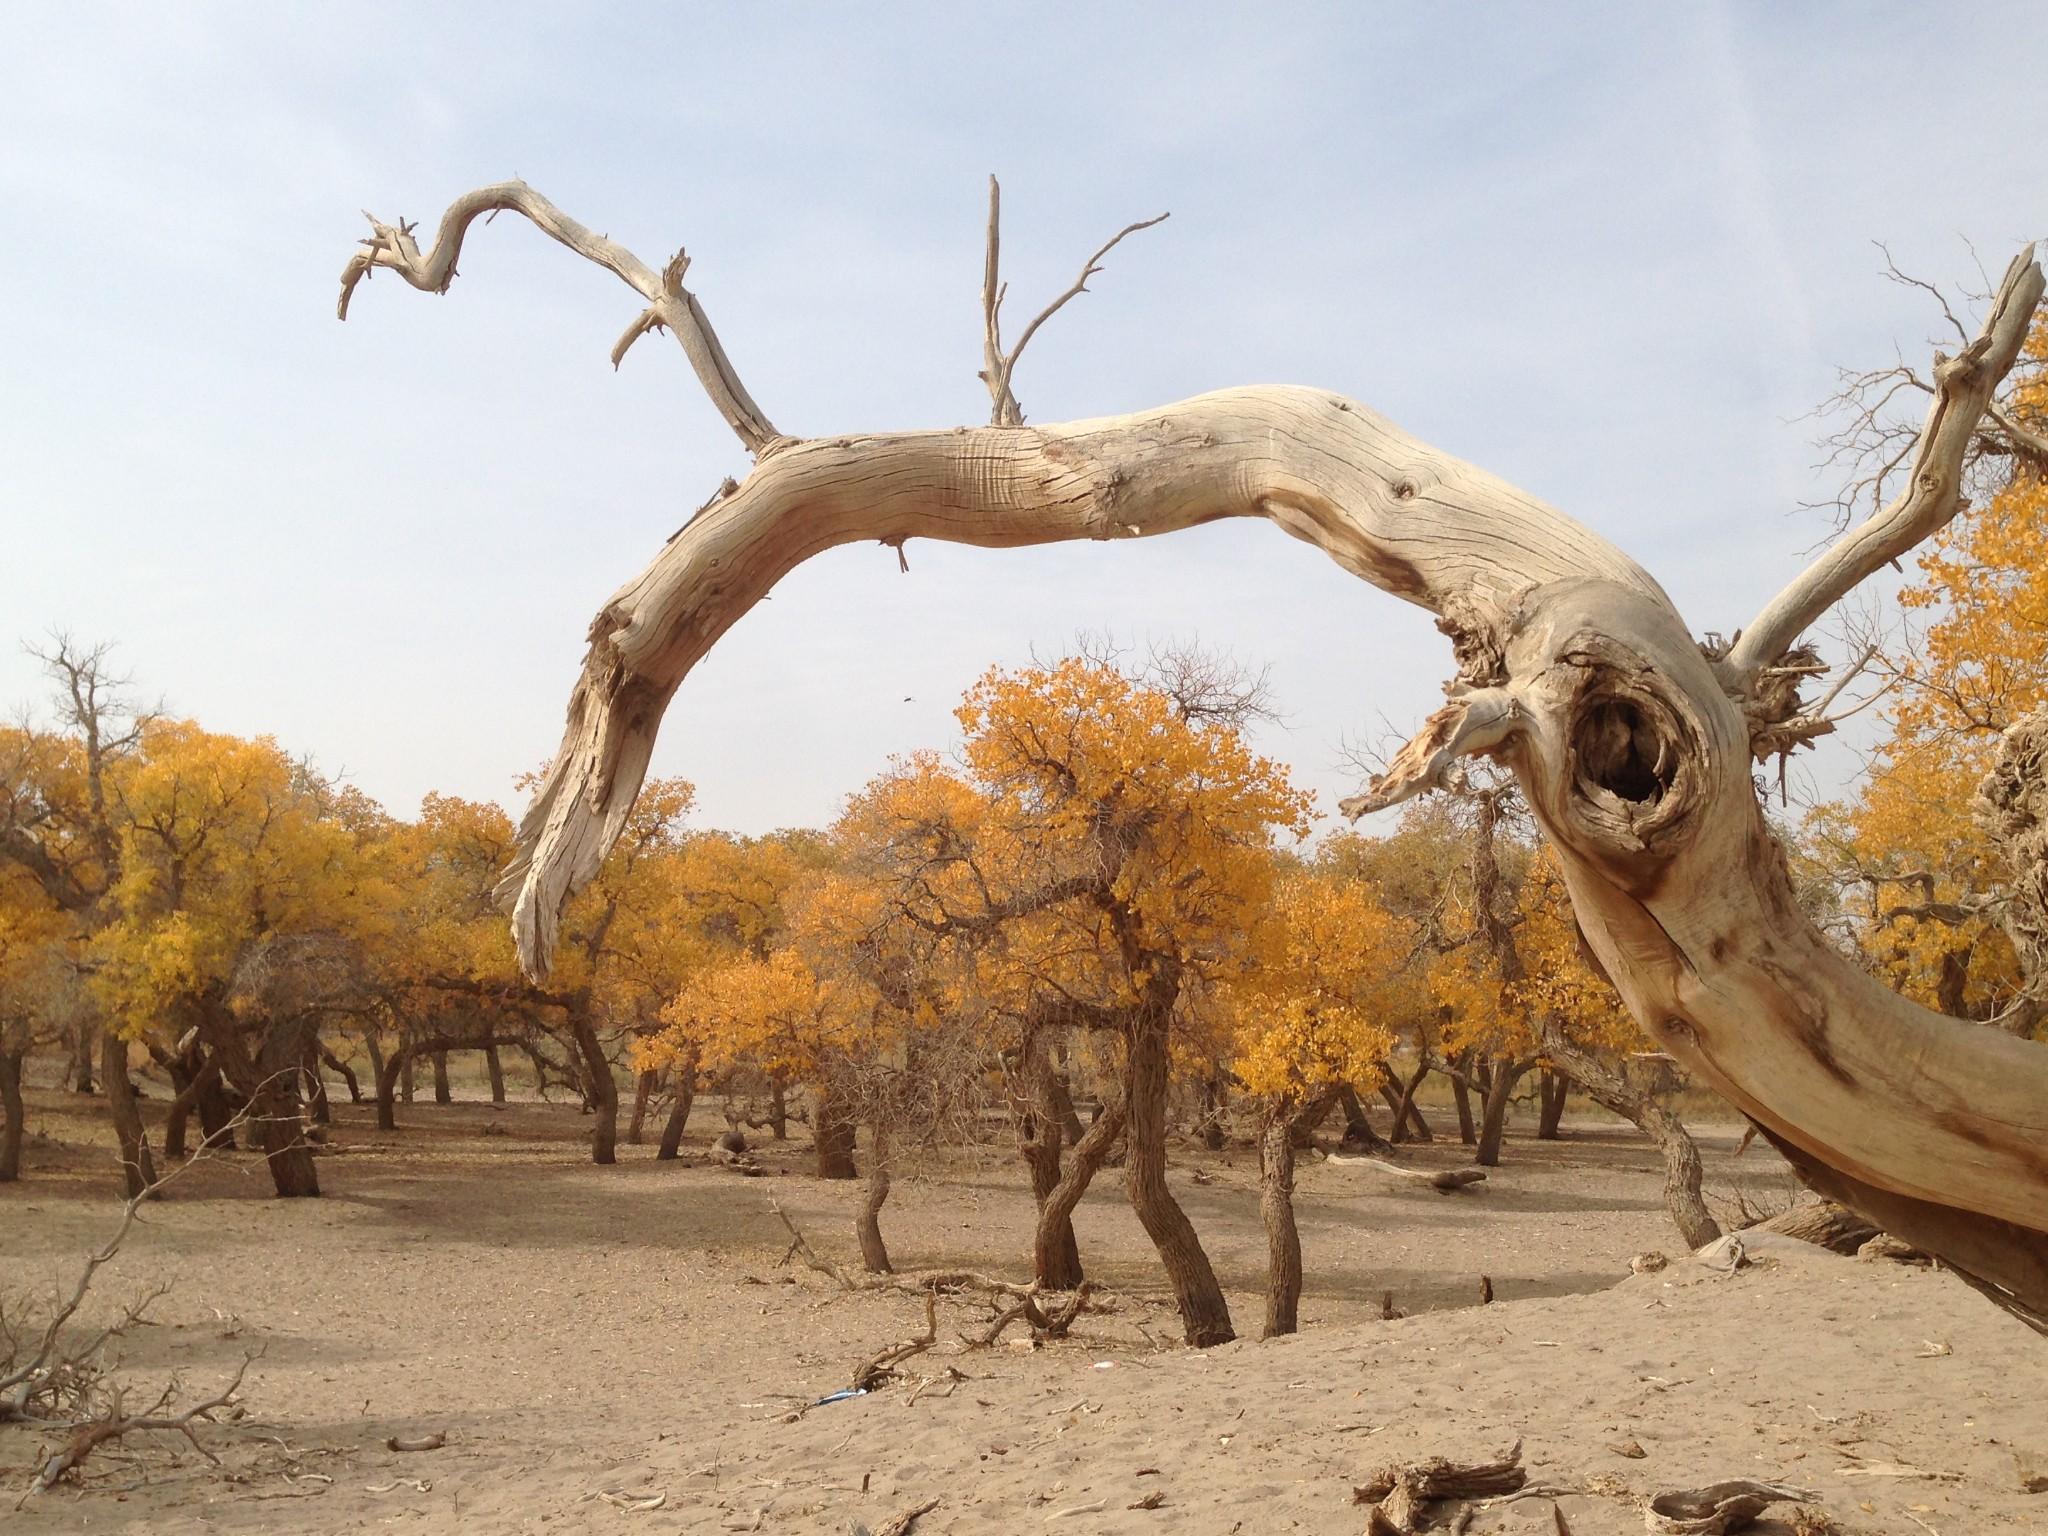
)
(1610, 253)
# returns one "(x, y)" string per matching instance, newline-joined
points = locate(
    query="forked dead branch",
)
(1633, 742)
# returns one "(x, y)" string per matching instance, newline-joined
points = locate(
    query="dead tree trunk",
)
(1633, 745)
(12, 1116)
(1555, 1088)
(1204, 1314)
(138, 1169)
(874, 1253)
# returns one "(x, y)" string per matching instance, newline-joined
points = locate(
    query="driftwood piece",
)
(1400, 1494)
(881, 1369)
(1444, 1181)
(1633, 744)
(1717, 1508)
(899, 1524)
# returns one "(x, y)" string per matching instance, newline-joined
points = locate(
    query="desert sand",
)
(595, 1341)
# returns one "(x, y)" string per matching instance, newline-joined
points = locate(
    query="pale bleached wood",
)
(1632, 746)
(392, 247)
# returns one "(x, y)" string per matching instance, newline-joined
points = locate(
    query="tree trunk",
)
(1204, 1314)
(1461, 1099)
(1210, 1125)
(202, 1088)
(643, 1093)
(1358, 1131)
(679, 1110)
(1276, 1205)
(1042, 1133)
(12, 1121)
(602, 1088)
(1500, 1086)
(1408, 1122)
(388, 1076)
(1614, 1086)
(1634, 745)
(443, 1094)
(874, 1253)
(82, 1044)
(1055, 1258)
(309, 1068)
(832, 1136)
(405, 1073)
(1063, 1098)
(778, 1123)
(496, 1069)
(138, 1170)
(376, 1050)
(348, 1074)
(1406, 1109)
(1555, 1087)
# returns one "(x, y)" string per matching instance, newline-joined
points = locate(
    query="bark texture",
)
(1632, 743)
(12, 1125)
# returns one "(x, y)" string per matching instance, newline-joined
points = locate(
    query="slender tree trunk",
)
(874, 1253)
(1063, 1097)
(496, 1069)
(12, 1123)
(348, 1074)
(1556, 1087)
(1463, 1102)
(387, 1085)
(778, 1122)
(275, 1110)
(82, 1044)
(138, 1169)
(643, 1094)
(376, 1050)
(1042, 1131)
(1276, 1205)
(1612, 1087)
(1210, 1125)
(443, 1094)
(1500, 1085)
(1408, 1122)
(200, 1089)
(309, 1066)
(1205, 1315)
(1055, 1259)
(405, 1073)
(679, 1111)
(602, 1088)
(1407, 1110)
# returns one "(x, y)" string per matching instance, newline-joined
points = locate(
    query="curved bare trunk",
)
(1632, 744)
(1055, 1256)
(1042, 1136)
(496, 1069)
(1461, 1100)
(1502, 1075)
(388, 1076)
(1556, 1088)
(1278, 1134)
(1358, 1131)
(643, 1094)
(1204, 1314)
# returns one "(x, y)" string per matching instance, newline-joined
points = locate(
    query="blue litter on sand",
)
(840, 1397)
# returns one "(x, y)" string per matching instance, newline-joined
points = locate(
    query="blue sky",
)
(1610, 253)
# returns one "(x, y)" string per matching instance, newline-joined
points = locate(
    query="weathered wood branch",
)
(1632, 747)
(669, 304)
(1964, 386)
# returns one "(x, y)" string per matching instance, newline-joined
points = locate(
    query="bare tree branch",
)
(1963, 387)
(669, 304)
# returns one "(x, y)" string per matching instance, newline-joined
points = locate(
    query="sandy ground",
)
(578, 1332)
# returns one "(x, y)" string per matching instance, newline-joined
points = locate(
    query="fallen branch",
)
(88, 1436)
(882, 1368)
(1444, 1182)
(934, 1280)
(1717, 1507)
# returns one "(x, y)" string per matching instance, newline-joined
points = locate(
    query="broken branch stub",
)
(1575, 670)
